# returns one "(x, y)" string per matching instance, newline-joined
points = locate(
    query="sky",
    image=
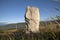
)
(13, 11)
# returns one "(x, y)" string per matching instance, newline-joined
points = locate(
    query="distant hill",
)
(2, 24)
(22, 25)
(14, 25)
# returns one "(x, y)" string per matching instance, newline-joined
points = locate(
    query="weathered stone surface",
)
(32, 19)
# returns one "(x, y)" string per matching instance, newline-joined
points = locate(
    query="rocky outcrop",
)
(32, 19)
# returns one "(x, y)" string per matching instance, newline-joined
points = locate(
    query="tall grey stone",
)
(32, 19)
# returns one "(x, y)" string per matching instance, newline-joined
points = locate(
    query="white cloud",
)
(57, 0)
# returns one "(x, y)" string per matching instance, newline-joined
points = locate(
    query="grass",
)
(45, 34)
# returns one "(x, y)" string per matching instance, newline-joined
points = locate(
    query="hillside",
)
(22, 25)
(8, 26)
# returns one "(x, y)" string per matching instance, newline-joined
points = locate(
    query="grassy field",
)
(47, 32)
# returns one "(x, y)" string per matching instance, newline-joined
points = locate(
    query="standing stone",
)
(32, 19)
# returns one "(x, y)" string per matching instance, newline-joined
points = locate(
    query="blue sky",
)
(12, 11)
